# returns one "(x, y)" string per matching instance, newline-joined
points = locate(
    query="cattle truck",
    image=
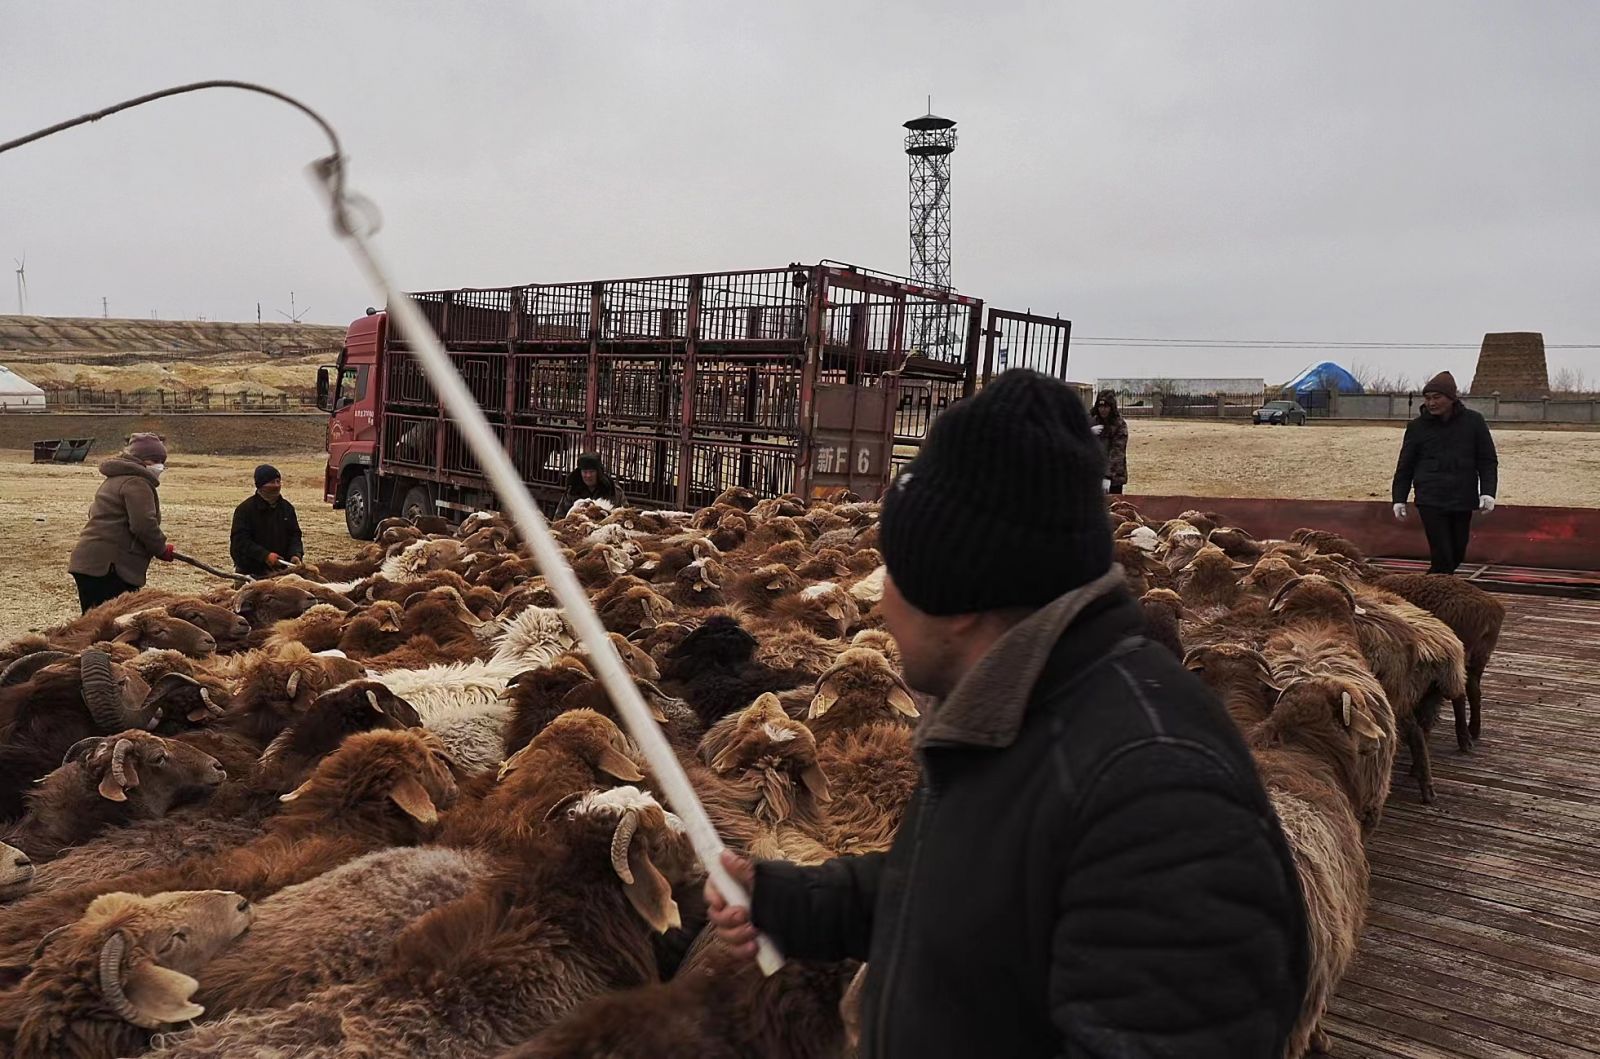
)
(807, 379)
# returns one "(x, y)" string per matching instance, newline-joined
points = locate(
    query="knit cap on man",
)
(147, 447)
(1442, 383)
(1003, 506)
(266, 473)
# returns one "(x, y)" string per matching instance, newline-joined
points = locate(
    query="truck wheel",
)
(360, 517)
(418, 503)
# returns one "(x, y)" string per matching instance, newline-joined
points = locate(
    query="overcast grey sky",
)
(1396, 171)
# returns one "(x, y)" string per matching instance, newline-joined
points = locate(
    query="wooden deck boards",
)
(1483, 936)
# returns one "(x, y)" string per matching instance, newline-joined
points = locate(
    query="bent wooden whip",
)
(530, 522)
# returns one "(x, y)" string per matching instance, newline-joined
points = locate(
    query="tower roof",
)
(930, 122)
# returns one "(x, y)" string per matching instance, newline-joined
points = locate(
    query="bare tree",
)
(1570, 380)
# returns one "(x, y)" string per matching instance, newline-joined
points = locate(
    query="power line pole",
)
(105, 310)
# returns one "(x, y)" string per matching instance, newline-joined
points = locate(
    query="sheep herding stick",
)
(513, 495)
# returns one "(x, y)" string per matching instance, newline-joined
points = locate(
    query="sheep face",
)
(720, 641)
(266, 603)
(860, 688)
(792, 554)
(16, 873)
(381, 773)
(224, 625)
(637, 608)
(153, 629)
(178, 701)
(763, 743)
(635, 657)
(645, 848)
(148, 772)
(577, 751)
(133, 956)
(1269, 575)
(827, 564)
(360, 706)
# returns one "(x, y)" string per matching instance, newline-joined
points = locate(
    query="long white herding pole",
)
(580, 615)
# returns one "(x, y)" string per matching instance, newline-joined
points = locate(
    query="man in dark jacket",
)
(265, 528)
(1091, 866)
(589, 481)
(1449, 457)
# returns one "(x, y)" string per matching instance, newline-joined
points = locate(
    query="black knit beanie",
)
(1003, 506)
(266, 473)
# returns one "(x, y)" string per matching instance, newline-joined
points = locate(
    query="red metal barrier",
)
(1552, 538)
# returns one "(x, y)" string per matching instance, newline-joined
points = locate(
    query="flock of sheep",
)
(383, 807)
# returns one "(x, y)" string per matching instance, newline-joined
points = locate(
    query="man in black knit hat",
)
(266, 530)
(1090, 866)
(1448, 455)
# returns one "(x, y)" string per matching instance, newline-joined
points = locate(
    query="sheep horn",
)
(111, 983)
(1288, 586)
(102, 692)
(21, 670)
(1344, 701)
(558, 808)
(44, 942)
(293, 684)
(211, 706)
(75, 751)
(372, 697)
(621, 840)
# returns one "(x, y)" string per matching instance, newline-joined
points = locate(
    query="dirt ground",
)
(42, 507)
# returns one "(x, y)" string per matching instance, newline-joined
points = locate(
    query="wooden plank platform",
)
(1483, 936)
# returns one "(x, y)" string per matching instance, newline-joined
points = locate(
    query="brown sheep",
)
(321, 628)
(157, 629)
(1306, 753)
(825, 609)
(228, 629)
(16, 873)
(1163, 611)
(1269, 575)
(1473, 615)
(265, 603)
(536, 695)
(373, 631)
(60, 704)
(577, 751)
(699, 585)
(796, 650)
(1241, 677)
(638, 608)
(124, 969)
(880, 641)
(861, 688)
(332, 717)
(769, 761)
(107, 781)
(1209, 585)
(761, 587)
(572, 920)
(719, 1006)
(1323, 652)
(379, 789)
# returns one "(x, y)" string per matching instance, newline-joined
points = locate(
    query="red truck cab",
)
(348, 391)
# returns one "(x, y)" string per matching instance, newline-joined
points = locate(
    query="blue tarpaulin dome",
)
(1324, 376)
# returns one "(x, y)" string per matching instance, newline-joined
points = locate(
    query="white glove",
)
(1400, 511)
(1096, 428)
(1105, 485)
(1486, 504)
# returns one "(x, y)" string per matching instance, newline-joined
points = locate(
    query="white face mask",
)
(156, 468)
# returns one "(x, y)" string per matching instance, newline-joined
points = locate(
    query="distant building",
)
(18, 394)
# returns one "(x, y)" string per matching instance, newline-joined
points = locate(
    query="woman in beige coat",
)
(124, 529)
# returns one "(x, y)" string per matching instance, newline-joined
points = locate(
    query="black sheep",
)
(714, 670)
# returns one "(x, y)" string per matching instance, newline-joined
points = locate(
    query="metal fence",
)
(111, 401)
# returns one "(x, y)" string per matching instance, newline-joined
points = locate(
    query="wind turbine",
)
(292, 316)
(22, 284)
